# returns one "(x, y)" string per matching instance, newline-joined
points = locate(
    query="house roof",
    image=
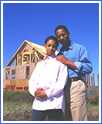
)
(37, 47)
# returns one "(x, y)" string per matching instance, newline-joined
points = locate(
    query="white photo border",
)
(7, 2)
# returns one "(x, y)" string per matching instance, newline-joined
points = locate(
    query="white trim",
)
(100, 61)
(52, 122)
(37, 47)
(50, 1)
(1, 62)
(3, 2)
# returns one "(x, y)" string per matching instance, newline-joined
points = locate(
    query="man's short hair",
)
(62, 27)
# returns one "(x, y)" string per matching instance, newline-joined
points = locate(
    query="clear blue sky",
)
(35, 22)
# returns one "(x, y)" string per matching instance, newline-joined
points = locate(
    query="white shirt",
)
(50, 75)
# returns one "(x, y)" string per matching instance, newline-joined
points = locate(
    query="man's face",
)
(62, 36)
(50, 47)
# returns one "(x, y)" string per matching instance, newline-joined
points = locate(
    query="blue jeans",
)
(53, 115)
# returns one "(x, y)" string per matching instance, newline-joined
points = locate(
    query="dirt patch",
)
(17, 107)
(27, 116)
(93, 115)
(18, 116)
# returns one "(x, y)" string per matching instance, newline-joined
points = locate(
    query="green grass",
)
(17, 96)
(93, 106)
(17, 101)
(18, 106)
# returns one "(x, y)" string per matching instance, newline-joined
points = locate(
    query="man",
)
(47, 85)
(75, 56)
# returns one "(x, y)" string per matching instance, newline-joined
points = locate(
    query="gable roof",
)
(37, 47)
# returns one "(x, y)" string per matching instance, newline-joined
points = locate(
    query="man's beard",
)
(61, 38)
(65, 42)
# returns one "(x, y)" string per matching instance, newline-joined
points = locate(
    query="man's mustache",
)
(63, 37)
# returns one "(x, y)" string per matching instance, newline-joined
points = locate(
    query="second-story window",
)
(13, 73)
(7, 76)
(27, 72)
(26, 58)
(20, 59)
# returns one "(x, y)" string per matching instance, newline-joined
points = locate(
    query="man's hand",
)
(66, 61)
(40, 93)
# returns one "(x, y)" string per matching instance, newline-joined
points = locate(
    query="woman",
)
(47, 85)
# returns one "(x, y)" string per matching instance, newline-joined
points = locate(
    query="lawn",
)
(17, 107)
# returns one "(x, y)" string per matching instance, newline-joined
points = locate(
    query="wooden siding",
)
(16, 85)
(25, 62)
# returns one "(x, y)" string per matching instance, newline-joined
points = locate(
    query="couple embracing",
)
(57, 81)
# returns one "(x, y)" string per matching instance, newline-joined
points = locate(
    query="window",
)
(27, 72)
(7, 76)
(20, 59)
(13, 74)
(26, 58)
(32, 58)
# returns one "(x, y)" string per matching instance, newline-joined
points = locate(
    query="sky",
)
(36, 21)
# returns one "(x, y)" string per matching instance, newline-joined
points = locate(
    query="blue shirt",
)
(78, 54)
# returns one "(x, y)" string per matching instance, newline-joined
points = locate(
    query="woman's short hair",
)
(51, 38)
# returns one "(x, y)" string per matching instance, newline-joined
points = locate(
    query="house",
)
(19, 69)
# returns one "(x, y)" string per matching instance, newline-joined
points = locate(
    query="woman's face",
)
(50, 47)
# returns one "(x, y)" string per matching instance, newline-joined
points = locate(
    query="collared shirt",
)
(78, 54)
(50, 75)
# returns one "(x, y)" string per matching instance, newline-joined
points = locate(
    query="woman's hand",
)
(40, 93)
